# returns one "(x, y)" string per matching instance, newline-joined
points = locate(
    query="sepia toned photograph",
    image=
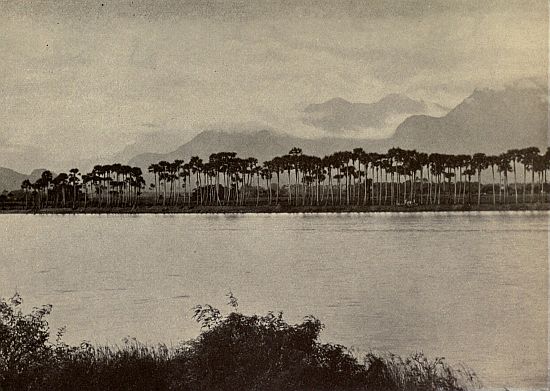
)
(274, 195)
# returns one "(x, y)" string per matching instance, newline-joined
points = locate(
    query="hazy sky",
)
(84, 80)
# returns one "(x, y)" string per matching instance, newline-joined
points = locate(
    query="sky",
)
(83, 80)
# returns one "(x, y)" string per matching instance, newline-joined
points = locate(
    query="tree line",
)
(112, 185)
(344, 178)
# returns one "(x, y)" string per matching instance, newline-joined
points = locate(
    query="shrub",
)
(233, 352)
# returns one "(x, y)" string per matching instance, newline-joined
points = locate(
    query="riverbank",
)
(232, 209)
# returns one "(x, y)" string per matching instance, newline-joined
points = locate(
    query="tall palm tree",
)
(479, 163)
(73, 179)
(295, 154)
(530, 155)
(155, 169)
(47, 178)
(515, 155)
(196, 166)
(492, 161)
(422, 159)
(277, 166)
(26, 187)
(504, 168)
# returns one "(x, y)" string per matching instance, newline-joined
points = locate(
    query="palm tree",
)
(26, 187)
(479, 163)
(422, 159)
(155, 169)
(504, 168)
(530, 155)
(295, 154)
(73, 179)
(86, 178)
(47, 178)
(196, 166)
(539, 166)
(515, 155)
(492, 161)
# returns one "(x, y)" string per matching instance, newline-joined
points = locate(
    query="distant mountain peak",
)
(489, 120)
(337, 115)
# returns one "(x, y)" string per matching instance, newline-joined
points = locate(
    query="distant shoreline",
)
(283, 209)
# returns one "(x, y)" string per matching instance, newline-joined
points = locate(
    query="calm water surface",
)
(471, 287)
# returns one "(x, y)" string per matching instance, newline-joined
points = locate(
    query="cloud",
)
(338, 115)
(83, 81)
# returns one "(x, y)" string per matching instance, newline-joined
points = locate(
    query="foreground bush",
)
(233, 352)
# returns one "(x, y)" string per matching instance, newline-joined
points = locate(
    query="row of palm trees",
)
(349, 178)
(105, 186)
(397, 177)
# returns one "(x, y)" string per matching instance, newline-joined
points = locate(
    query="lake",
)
(471, 287)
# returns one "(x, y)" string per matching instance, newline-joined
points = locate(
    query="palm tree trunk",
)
(366, 184)
(85, 195)
(379, 187)
(515, 181)
(372, 185)
(289, 189)
(505, 186)
(500, 187)
(277, 200)
(429, 187)
(421, 185)
(257, 189)
(385, 187)
(479, 187)
(524, 181)
(494, 195)
(533, 181)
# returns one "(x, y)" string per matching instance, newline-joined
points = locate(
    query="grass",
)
(233, 352)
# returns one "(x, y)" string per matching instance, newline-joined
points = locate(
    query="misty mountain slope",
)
(489, 121)
(263, 145)
(338, 115)
(10, 179)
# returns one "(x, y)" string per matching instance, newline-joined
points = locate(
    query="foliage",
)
(416, 373)
(233, 352)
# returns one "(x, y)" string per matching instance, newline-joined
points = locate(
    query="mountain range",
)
(489, 121)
